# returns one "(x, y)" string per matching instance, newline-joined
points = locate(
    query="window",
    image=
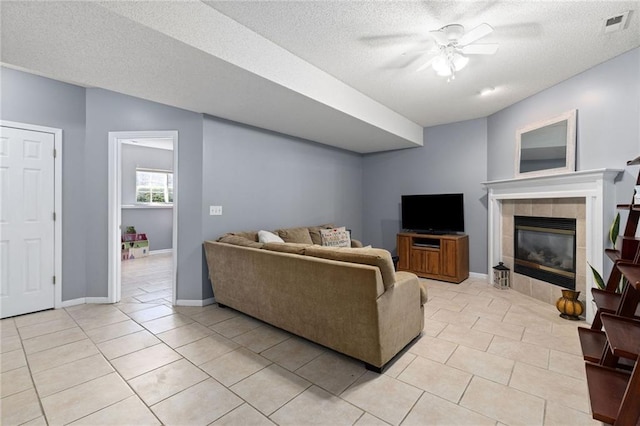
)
(154, 186)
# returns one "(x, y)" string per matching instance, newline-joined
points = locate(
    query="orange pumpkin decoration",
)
(569, 306)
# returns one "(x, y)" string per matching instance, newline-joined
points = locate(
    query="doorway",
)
(30, 218)
(117, 143)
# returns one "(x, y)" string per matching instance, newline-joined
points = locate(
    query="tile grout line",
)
(35, 389)
(493, 336)
(199, 368)
(115, 370)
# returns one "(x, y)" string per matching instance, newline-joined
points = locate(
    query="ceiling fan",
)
(454, 45)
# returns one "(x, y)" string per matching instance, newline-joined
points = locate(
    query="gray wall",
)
(109, 112)
(156, 222)
(263, 179)
(27, 98)
(453, 159)
(266, 180)
(607, 98)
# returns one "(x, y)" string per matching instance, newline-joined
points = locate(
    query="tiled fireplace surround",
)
(588, 196)
(573, 208)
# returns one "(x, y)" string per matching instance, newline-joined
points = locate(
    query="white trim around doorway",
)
(116, 139)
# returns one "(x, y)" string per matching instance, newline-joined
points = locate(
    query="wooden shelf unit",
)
(623, 335)
(631, 272)
(612, 355)
(593, 343)
(440, 257)
(607, 397)
(613, 378)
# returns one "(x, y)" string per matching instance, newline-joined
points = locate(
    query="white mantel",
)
(596, 186)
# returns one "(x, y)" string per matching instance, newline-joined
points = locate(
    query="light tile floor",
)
(485, 357)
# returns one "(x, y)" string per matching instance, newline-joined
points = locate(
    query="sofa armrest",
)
(422, 285)
(401, 314)
(356, 244)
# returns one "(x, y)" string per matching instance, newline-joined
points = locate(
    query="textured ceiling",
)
(340, 73)
(373, 47)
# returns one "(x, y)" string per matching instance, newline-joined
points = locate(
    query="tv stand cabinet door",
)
(404, 250)
(449, 257)
(455, 258)
(425, 261)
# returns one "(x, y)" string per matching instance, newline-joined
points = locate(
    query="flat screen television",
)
(433, 213)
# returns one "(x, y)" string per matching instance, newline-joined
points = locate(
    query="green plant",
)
(597, 277)
(130, 230)
(614, 231)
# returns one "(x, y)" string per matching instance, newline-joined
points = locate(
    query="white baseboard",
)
(73, 302)
(83, 300)
(163, 251)
(179, 302)
(478, 275)
(97, 300)
(185, 302)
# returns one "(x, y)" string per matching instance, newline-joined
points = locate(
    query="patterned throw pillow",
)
(336, 237)
(314, 232)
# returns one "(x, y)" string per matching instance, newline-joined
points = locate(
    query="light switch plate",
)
(215, 210)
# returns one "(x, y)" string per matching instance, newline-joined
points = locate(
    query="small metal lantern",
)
(501, 276)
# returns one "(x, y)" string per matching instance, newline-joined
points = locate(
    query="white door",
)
(26, 221)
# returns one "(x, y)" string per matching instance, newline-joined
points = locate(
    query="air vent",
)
(616, 23)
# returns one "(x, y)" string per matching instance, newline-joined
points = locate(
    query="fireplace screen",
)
(545, 249)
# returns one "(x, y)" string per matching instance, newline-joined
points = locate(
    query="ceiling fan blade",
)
(475, 34)
(426, 64)
(440, 37)
(480, 49)
(420, 51)
(387, 39)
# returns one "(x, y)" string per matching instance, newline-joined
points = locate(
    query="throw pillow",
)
(336, 237)
(295, 235)
(269, 237)
(314, 232)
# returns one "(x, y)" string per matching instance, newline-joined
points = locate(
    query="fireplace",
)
(589, 196)
(545, 249)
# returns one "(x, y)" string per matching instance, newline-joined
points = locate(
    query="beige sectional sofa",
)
(348, 299)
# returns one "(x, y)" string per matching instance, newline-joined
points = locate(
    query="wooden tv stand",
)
(440, 257)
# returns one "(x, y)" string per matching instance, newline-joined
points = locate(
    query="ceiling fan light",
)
(447, 65)
(441, 66)
(459, 61)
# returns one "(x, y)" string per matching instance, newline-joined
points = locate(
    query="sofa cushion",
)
(314, 232)
(295, 235)
(269, 237)
(373, 256)
(239, 241)
(294, 248)
(250, 235)
(336, 237)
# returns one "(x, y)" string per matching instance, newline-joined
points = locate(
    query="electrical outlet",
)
(215, 210)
